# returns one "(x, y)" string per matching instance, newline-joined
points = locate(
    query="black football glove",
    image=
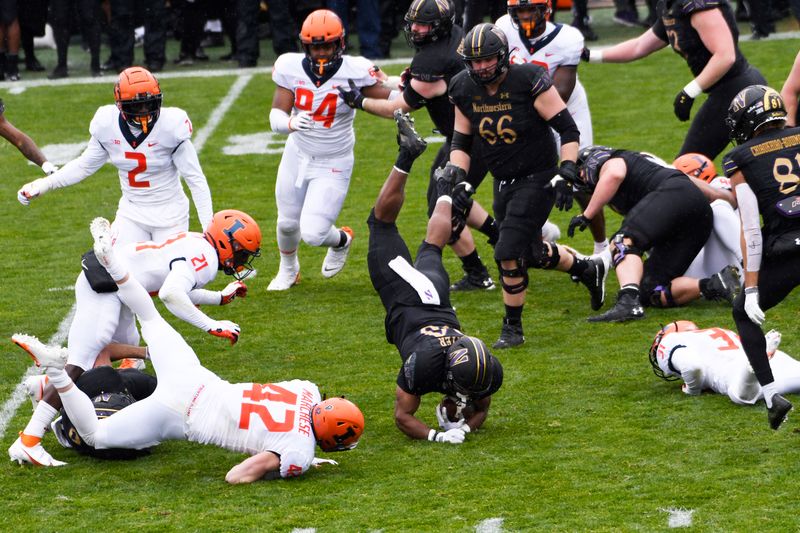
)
(353, 98)
(562, 183)
(462, 198)
(405, 79)
(447, 177)
(578, 221)
(585, 53)
(683, 106)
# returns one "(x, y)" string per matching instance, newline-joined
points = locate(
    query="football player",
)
(23, 143)
(151, 147)
(667, 214)
(532, 38)
(713, 359)
(176, 270)
(420, 321)
(763, 171)
(791, 92)
(705, 34)
(430, 30)
(276, 423)
(317, 162)
(510, 110)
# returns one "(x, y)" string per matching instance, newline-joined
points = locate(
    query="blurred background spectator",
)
(63, 14)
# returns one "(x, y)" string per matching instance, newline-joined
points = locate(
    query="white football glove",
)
(316, 462)
(49, 168)
(31, 190)
(225, 329)
(452, 436)
(773, 338)
(231, 291)
(751, 306)
(303, 121)
(444, 422)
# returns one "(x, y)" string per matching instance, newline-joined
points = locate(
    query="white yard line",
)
(490, 525)
(219, 112)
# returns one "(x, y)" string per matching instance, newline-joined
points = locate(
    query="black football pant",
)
(124, 16)
(61, 18)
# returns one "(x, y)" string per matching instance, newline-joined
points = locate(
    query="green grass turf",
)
(582, 436)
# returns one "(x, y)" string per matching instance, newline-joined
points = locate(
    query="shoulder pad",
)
(690, 6)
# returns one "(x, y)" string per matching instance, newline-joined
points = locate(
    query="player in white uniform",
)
(722, 247)
(713, 359)
(176, 270)
(314, 173)
(151, 147)
(556, 47)
(277, 423)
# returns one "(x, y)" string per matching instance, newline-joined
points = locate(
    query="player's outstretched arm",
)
(264, 465)
(23, 142)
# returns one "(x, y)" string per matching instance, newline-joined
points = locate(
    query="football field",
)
(581, 437)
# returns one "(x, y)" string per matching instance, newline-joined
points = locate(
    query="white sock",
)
(58, 377)
(81, 412)
(288, 240)
(40, 420)
(333, 238)
(770, 390)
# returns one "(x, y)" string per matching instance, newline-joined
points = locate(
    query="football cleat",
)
(337, 256)
(100, 228)
(35, 386)
(43, 355)
(286, 278)
(594, 278)
(724, 285)
(35, 455)
(135, 364)
(407, 137)
(779, 411)
(626, 308)
(474, 281)
(550, 232)
(510, 336)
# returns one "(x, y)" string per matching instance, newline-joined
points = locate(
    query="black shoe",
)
(779, 411)
(185, 60)
(58, 73)
(111, 66)
(724, 285)
(474, 281)
(155, 66)
(213, 39)
(200, 54)
(510, 336)
(33, 65)
(626, 308)
(407, 137)
(247, 63)
(585, 29)
(594, 278)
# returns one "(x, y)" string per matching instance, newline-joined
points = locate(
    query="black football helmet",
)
(753, 107)
(590, 159)
(485, 41)
(471, 368)
(531, 26)
(438, 14)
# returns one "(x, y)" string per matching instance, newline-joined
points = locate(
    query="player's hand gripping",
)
(751, 306)
(231, 291)
(32, 190)
(302, 121)
(353, 97)
(451, 436)
(562, 184)
(226, 329)
(444, 423)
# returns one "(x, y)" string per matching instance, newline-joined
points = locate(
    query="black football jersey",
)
(515, 141)
(770, 164)
(643, 177)
(436, 61)
(674, 27)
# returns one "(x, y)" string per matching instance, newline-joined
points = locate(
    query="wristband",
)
(48, 167)
(595, 56)
(693, 89)
(432, 435)
(751, 290)
(445, 198)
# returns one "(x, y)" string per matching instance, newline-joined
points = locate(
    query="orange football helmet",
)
(338, 424)
(138, 97)
(672, 327)
(535, 14)
(237, 239)
(321, 27)
(697, 166)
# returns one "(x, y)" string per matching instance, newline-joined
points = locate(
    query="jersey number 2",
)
(275, 394)
(325, 113)
(141, 166)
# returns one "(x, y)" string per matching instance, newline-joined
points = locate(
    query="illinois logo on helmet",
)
(237, 239)
(323, 27)
(697, 166)
(338, 424)
(658, 359)
(138, 97)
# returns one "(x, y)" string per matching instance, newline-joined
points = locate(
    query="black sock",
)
(578, 267)
(513, 315)
(342, 239)
(631, 289)
(704, 288)
(472, 262)
(489, 228)
(404, 161)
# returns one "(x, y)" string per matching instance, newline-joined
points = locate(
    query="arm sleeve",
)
(188, 165)
(751, 225)
(175, 295)
(205, 297)
(86, 164)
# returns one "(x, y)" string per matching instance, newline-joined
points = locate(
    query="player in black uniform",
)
(511, 110)
(705, 34)
(430, 31)
(420, 321)
(667, 214)
(764, 171)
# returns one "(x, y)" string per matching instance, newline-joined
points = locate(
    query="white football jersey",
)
(333, 134)
(254, 418)
(151, 262)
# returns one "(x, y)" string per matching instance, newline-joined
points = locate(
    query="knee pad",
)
(545, 261)
(288, 227)
(621, 249)
(655, 295)
(520, 271)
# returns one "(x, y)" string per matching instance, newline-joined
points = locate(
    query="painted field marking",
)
(678, 517)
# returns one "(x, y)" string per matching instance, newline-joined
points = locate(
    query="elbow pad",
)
(412, 97)
(461, 142)
(279, 120)
(563, 123)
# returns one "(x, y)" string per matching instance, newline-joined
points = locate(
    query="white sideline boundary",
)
(10, 406)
